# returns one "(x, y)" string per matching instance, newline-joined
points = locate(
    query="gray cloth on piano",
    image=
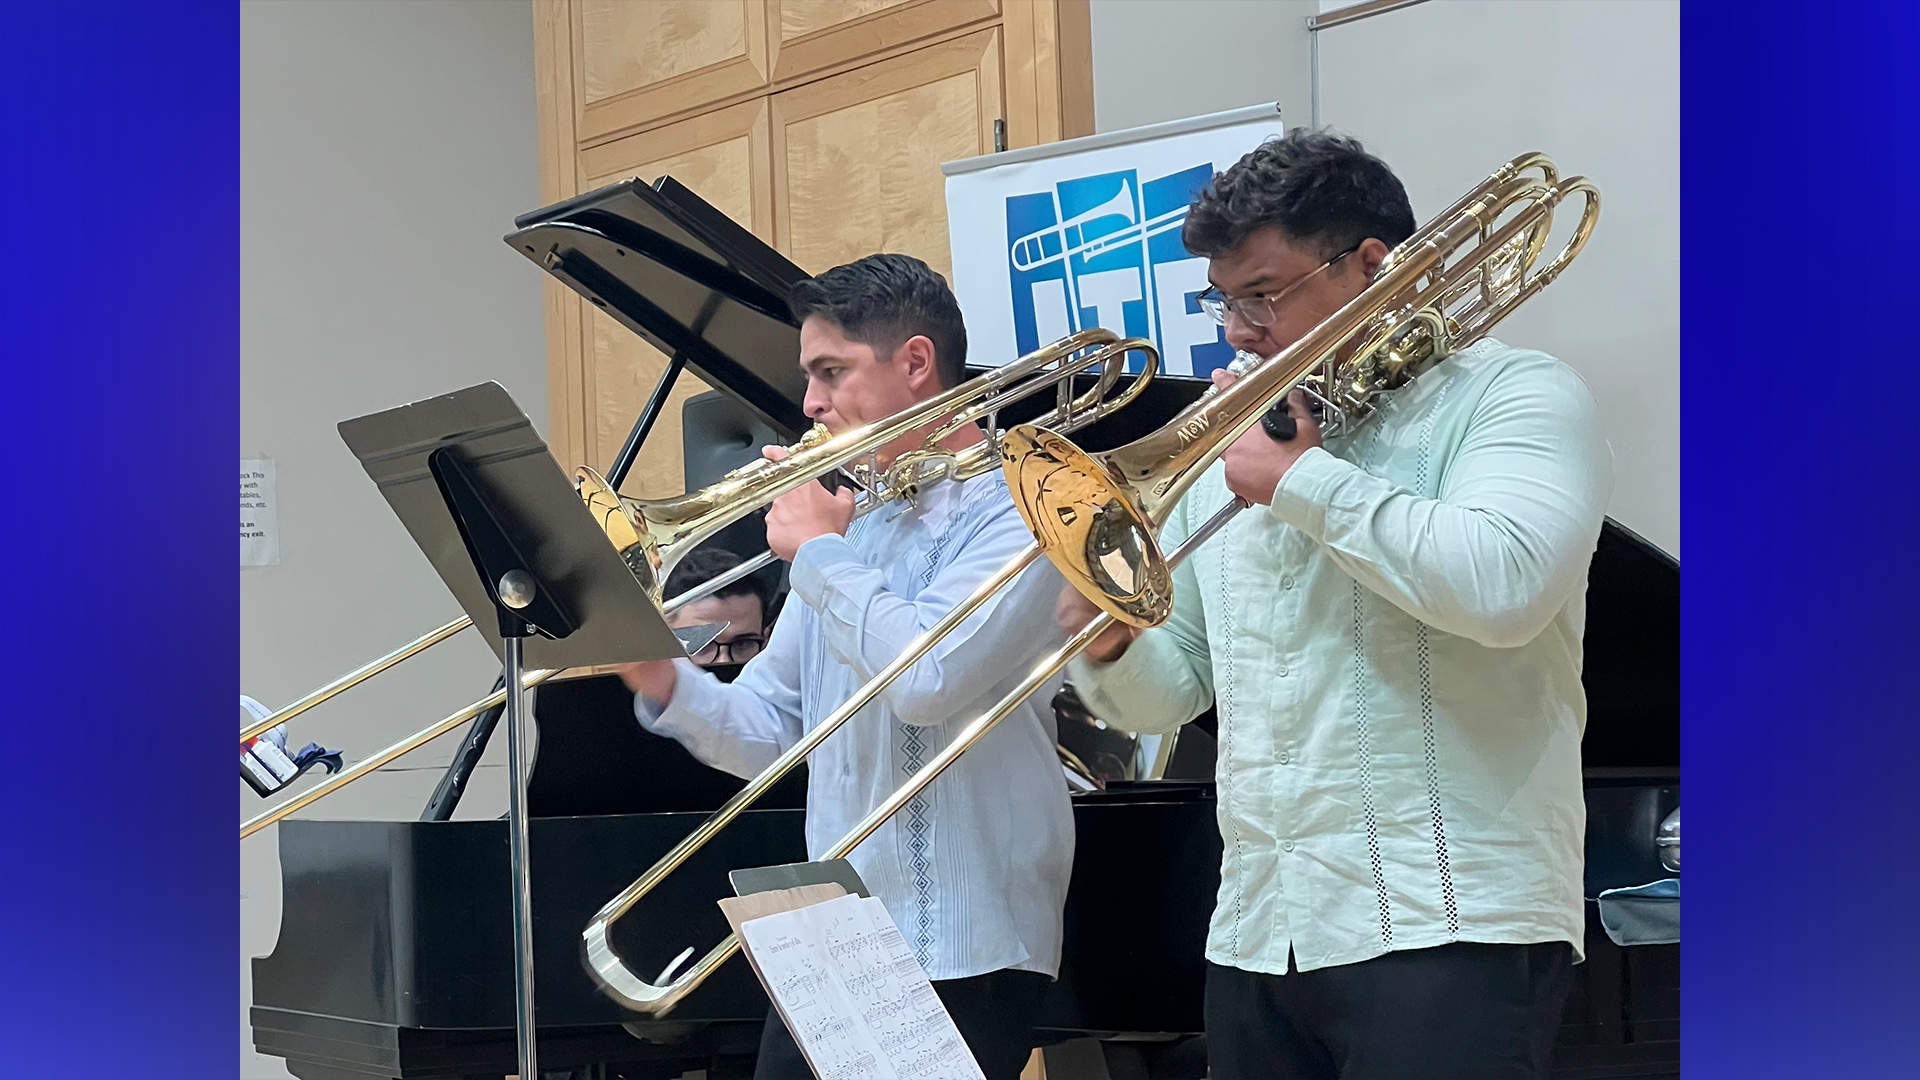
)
(1644, 914)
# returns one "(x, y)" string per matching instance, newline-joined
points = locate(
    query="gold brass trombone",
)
(607, 967)
(1098, 515)
(651, 536)
(1418, 310)
(1422, 307)
(658, 997)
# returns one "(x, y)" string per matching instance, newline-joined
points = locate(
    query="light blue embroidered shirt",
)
(1394, 645)
(975, 869)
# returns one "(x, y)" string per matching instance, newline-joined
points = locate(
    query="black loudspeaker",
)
(718, 435)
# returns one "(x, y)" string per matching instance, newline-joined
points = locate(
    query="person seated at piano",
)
(1393, 637)
(741, 604)
(975, 869)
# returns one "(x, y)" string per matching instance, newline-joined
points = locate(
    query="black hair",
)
(707, 563)
(1322, 191)
(881, 301)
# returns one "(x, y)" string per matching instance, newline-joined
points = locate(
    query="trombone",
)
(659, 996)
(1096, 518)
(653, 535)
(1098, 515)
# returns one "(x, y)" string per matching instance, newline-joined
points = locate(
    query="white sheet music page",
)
(853, 995)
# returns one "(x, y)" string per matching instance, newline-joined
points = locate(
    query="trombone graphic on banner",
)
(1104, 250)
(1057, 242)
(1051, 240)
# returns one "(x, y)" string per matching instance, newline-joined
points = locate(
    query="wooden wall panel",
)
(799, 18)
(1073, 50)
(1049, 71)
(818, 124)
(639, 60)
(856, 157)
(559, 180)
(813, 35)
(723, 156)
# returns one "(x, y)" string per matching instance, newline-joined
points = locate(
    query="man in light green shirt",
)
(1392, 635)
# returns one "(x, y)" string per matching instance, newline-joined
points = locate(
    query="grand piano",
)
(394, 955)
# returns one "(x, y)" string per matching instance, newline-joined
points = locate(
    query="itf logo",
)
(1105, 251)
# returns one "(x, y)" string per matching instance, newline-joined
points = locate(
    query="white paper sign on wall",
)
(1055, 239)
(259, 516)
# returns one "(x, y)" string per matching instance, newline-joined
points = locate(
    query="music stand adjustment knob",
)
(516, 589)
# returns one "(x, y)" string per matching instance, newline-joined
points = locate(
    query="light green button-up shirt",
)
(1394, 646)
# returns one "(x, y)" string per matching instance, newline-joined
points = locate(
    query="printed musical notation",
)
(803, 984)
(861, 1067)
(853, 995)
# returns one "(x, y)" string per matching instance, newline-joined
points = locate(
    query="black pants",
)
(1463, 1010)
(994, 1012)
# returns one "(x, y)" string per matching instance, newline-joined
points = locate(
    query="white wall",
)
(1595, 84)
(1445, 91)
(1157, 60)
(386, 146)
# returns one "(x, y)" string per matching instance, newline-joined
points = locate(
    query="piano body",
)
(394, 955)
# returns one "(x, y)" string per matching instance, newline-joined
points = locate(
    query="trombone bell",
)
(637, 548)
(1088, 526)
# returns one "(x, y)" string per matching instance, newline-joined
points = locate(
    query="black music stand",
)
(479, 493)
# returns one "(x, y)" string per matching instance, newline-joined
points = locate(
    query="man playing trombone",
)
(975, 869)
(1392, 636)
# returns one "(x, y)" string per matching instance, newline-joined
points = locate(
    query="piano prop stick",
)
(845, 983)
(479, 493)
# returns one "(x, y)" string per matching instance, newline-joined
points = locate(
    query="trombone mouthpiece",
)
(1241, 363)
(815, 435)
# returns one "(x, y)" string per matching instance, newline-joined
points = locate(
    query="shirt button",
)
(1287, 582)
(1281, 671)
(1285, 757)
(1286, 845)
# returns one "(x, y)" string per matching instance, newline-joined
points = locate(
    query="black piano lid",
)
(684, 276)
(688, 279)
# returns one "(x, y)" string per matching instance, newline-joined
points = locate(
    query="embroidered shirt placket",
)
(1227, 722)
(913, 751)
(1424, 652)
(1363, 723)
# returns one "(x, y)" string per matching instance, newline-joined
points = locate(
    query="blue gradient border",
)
(119, 332)
(1801, 731)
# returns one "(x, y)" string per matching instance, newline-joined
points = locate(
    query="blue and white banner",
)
(1086, 233)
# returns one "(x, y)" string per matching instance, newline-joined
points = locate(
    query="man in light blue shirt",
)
(974, 870)
(1392, 636)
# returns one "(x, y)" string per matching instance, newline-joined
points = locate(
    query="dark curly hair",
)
(881, 301)
(1321, 190)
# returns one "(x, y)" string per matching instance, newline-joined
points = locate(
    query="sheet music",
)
(853, 995)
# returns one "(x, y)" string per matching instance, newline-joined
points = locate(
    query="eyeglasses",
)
(1259, 310)
(738, 651)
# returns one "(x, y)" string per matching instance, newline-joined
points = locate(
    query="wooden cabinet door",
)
(724, 157)
(813, 35)
(820, 125)
(640, 61)
(856, 157)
